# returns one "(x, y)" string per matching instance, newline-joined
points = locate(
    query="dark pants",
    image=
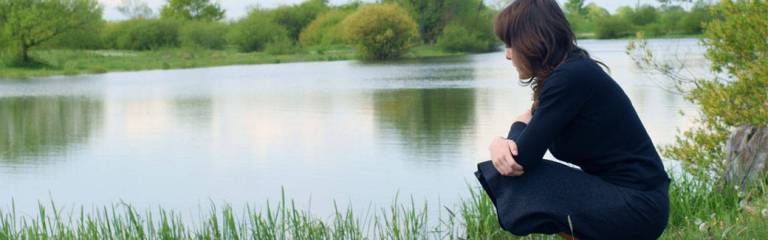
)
(543, 199)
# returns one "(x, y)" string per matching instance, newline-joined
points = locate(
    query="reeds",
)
(696, 212)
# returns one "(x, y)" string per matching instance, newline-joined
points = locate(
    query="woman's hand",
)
(502, 150)
(525, 117)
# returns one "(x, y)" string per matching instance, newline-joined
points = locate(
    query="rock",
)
(746, 156)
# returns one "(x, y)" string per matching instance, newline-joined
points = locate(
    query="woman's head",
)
(538, 38)
(537, 35)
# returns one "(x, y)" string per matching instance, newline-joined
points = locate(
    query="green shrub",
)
(325, 30)
(281, 44)
(613, 27)
(142, 34)
(200, 34)
(479, 26)
(737, 47)
(457, 38)
(110, 32)
(693, 22)
(79, 39)
(380, 31)
(253, 32)
(295, 17)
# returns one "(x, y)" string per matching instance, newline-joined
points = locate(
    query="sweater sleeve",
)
(515, 130)
(560, 101)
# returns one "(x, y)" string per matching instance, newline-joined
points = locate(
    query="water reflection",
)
(429, 121)
(34, 127)
(196, 111)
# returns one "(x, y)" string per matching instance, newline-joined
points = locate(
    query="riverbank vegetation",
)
(74, 38)
(734, 97)
(696, 212)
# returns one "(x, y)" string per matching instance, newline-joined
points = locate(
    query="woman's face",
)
(522, 71)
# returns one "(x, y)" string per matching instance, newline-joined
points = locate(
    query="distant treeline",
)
(668, 19)
(382, 30)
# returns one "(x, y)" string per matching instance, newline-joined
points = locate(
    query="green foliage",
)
(143, 34)
(294, 18)
(381, 31)
(325, 30)
(203, 10)
(135, 9)
(201, 34)
(478, 22)
(456, 38)
(652, 21)
(694, 22)
(281, 44)
(639, 16)
(30, 23)
(613, 27)
(584, 22)
(575, 7)
(737, 48)
(434, 15)
(87, 38)
(255, 31)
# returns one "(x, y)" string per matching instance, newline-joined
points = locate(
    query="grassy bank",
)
(696, 213)
(73, 62)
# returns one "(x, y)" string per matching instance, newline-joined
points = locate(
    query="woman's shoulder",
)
(577, 72)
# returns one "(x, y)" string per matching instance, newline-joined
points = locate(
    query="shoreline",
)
(68, 62)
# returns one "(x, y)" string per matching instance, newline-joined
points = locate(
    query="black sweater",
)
(585, 118)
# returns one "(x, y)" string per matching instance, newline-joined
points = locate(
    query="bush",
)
(380, 31)
(281, 44)
(79, 39)
(142, 34)
(613, 27)
(295, 17)
(253, 32)
(110, 32)
(325, 30)
(200, 34)
(457, 38)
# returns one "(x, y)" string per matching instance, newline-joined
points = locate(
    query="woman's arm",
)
(519, 125)
(560, 100)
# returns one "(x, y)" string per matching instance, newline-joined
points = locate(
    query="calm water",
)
(349, 131)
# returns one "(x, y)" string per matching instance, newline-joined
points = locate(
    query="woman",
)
(583, 117)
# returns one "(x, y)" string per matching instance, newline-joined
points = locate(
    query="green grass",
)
(696, 213)
(72, 62)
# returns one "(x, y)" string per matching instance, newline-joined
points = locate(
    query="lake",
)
(354, 132)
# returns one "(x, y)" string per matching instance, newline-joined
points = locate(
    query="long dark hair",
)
(540, 35)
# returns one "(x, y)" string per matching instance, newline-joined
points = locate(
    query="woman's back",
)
(606, 137)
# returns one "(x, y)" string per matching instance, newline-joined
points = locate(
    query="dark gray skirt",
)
(543, 199)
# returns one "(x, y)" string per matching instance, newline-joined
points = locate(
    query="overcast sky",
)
(237, 8)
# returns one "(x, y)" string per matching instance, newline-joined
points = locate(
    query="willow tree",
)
(30, 23)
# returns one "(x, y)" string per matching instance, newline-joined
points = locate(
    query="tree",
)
(30, 23)
(433, 15)
(575, 7)
(192, 10)
(381, 31)
(135, 9)
(295, 18)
